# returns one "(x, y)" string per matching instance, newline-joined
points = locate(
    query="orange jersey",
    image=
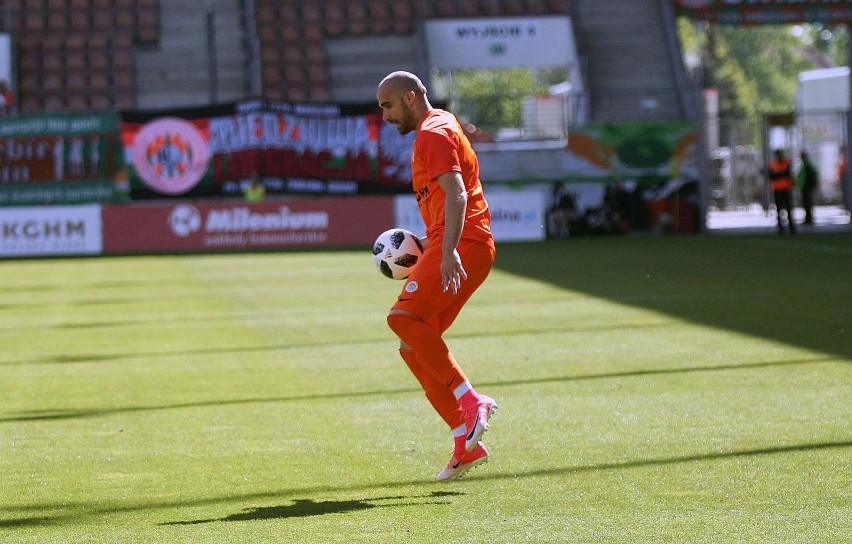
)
(440, 147)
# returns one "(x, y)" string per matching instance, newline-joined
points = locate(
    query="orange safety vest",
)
(779, 175)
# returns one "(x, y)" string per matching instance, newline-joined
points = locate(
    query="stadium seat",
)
(101, 102)
(293, 55)
(313, 35)
(290, 34)
(75, 82)
(99, 60)
(335, 18)
(297, 94)
(54, 102)
(124, 82)
(320, 94)
(446, 8)
(125, 100)
(356, 16)
(79, 21)
(123, 20)
(99, 83)
(57, 22)
(380, 18)
(265, 13)
(75, 61)
(29, 84)
(101, 21)
(147, 22)
(311, 12)
(52, 83)
(288, 11)
(270, 78)
(34, 22)
(78, 102)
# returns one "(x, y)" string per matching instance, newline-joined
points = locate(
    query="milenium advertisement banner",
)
(223, 225)
(290, 148)
(760, 12)
(60, 159)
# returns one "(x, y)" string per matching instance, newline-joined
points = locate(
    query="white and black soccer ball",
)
(395, 253)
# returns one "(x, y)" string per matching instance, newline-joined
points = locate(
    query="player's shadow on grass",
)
(301, 508)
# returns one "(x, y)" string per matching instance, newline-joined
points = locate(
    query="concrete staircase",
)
(175, 73)
(356, 69)
(632, 64)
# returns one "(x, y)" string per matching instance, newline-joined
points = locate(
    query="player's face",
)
(396, 110)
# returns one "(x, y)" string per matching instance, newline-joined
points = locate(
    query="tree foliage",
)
(755, 69)
(493, 99)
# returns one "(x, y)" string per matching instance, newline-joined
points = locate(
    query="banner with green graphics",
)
(61, 159)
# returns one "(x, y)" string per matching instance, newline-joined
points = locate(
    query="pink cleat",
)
(463, 461)
(476, 419)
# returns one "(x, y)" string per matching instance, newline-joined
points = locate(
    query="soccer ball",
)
(395, 253)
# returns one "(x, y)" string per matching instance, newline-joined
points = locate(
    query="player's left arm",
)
(455, 204)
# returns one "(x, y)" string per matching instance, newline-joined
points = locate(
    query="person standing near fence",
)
(781, 182)
(807, 179)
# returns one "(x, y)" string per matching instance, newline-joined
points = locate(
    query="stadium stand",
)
(83, 55)
(77, 55)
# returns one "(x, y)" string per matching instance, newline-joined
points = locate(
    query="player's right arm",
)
(455, 203)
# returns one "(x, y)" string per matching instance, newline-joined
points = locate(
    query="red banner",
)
(289, 148)
(194, 226)
(753, 12)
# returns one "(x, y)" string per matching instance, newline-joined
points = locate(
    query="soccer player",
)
(459, 252)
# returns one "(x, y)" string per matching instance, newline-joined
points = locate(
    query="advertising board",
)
(46, 231)
(208, 226)
(516, 214)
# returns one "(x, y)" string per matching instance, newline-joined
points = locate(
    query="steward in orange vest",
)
(781, 180)
(780, 174)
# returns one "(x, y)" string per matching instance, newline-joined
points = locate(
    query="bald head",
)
(402, 98)
(402, 82)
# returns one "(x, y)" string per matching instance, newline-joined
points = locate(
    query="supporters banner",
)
(751, 12)
(209, 226)
(60, 159)
(290, 148)
(54, 230)
(645, 153)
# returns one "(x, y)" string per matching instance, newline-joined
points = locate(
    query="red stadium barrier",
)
(211, 226)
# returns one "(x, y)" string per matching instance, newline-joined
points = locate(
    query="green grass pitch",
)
(652, 389)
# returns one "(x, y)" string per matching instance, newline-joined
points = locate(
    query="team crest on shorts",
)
(411, 286)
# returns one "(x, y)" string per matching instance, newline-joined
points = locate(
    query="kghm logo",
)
(42, 230)
(170, 155)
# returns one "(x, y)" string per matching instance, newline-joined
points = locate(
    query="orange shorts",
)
(423, 293)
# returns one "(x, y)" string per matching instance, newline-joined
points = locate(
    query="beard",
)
(406, 123)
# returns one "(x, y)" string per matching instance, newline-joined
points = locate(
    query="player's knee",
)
(399, 322)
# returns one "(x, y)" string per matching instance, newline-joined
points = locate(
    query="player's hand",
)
(452, 272)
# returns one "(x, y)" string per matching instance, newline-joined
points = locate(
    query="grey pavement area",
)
(756, 220)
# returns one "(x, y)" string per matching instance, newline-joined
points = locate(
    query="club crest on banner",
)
(170, 155)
